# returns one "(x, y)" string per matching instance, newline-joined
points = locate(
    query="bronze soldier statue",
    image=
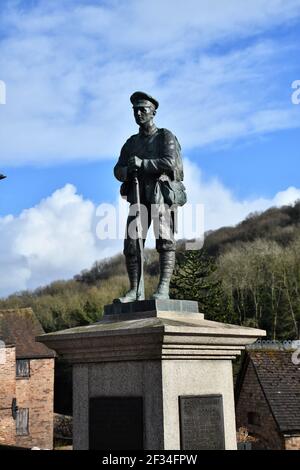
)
(153, 158)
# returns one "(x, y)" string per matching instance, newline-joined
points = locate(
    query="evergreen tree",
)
(194, 279)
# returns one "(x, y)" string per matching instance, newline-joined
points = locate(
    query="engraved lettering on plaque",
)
(201, 422)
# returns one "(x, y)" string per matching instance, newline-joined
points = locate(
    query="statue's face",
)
(143, 114)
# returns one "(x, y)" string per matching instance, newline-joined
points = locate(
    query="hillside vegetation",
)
(248, 274)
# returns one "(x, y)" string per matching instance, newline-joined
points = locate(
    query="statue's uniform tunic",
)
(158, 150)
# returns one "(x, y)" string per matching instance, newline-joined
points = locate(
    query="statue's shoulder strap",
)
(132, 139)
(168, 135)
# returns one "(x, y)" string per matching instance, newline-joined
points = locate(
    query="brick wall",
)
(7, 393)
(36, 393)
(252, 399)
(292, 443)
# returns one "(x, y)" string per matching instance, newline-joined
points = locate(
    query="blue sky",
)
(222, 72)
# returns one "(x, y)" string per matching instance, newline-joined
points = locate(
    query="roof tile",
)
(19, 327)
(280, 381)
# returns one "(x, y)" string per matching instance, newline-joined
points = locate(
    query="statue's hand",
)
(134, 163)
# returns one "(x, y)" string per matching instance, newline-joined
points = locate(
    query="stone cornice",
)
(157, 335)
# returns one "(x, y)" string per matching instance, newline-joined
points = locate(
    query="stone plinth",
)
(159, 353)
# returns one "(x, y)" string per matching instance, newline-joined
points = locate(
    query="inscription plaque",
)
(116, 423)
(201, 422)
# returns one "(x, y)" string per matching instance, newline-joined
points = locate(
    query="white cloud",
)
(70, 68)
(57, 238)
(221, 207)
(53, 240)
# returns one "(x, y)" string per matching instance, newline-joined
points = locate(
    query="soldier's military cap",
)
(139, 98)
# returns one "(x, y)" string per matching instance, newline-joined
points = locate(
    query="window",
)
(254, 418)
(23, 368)
(22, 422)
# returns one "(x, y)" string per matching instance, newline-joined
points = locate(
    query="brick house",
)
(268, 399)
(26, 382)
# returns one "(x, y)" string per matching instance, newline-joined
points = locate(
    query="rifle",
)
(140, 244)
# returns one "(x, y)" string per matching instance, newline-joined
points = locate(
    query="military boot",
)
(132, 267)
(166, 263)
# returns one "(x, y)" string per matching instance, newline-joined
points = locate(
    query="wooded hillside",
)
(248, 274)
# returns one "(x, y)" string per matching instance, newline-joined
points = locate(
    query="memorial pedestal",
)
(153, 375)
